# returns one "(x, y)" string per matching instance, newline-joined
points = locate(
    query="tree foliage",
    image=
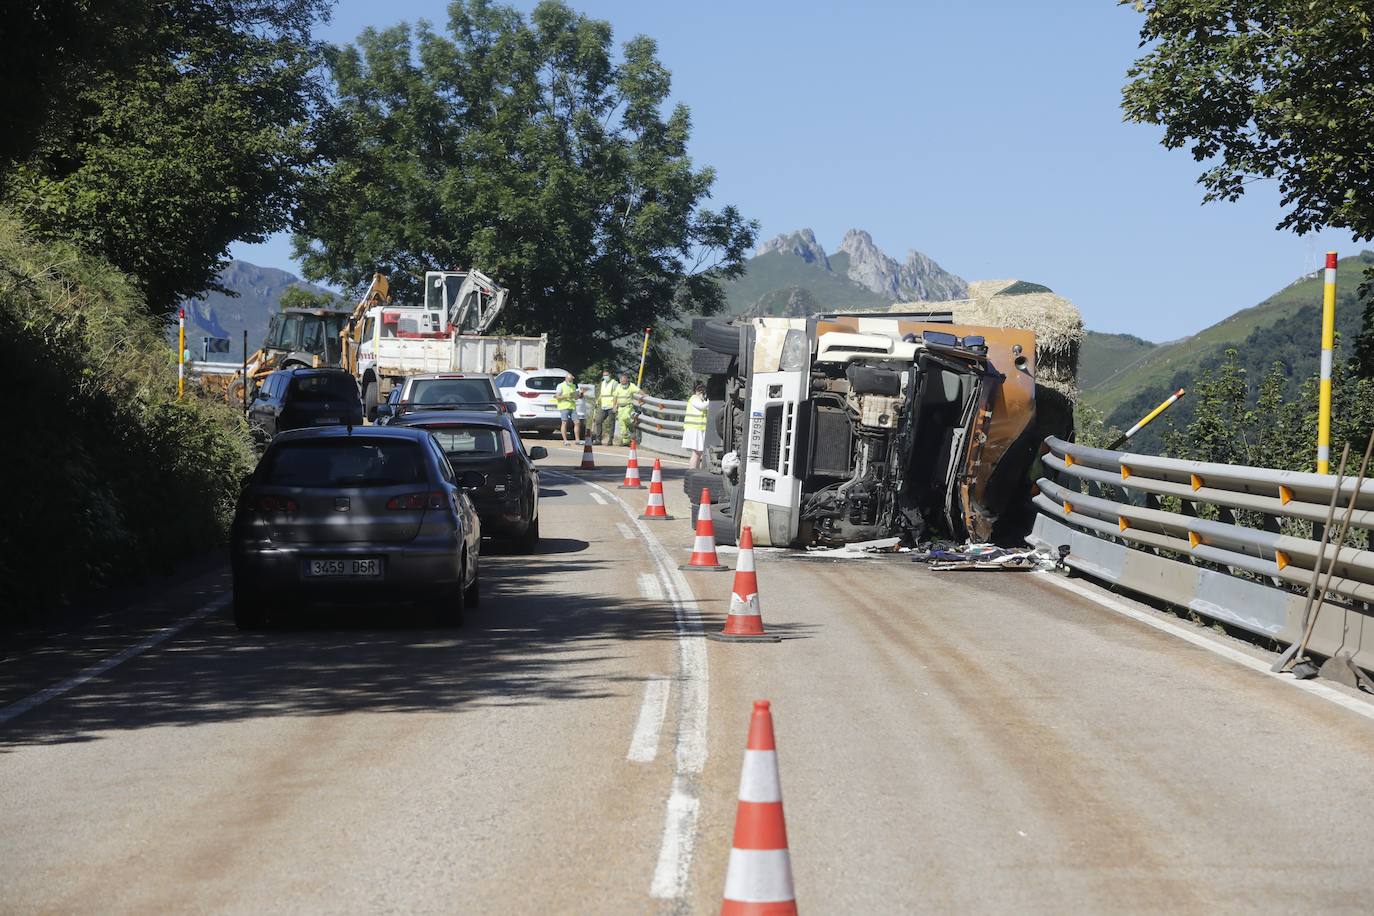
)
(190, 131)
(526, 147)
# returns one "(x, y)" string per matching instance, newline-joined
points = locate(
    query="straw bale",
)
(1057, 323)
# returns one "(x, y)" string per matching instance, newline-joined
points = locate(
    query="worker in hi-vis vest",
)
(566, 401)
(624, 407)
(604, 429)
(694, 425)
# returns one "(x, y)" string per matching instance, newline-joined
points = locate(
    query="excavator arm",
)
(378, 293)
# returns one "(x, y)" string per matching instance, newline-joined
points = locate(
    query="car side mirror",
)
(538, 452)
(472, 480)
(510, 408)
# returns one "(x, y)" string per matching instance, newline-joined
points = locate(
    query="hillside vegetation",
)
(113, 477)
(1103, 356)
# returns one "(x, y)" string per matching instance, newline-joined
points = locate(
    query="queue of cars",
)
(341, 511)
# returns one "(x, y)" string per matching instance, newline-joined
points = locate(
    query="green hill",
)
(217, 314)
(1105, 355)
(1284, 328)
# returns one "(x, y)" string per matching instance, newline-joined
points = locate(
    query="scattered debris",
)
(945, 557)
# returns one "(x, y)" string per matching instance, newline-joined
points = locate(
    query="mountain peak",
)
(918, 277)
(801, 244)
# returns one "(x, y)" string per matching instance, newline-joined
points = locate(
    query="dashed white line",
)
(649, 587)
(679, 836)
(598, 499)
(19, 707)
(625, 531)
(644, 743)
(1315, 688)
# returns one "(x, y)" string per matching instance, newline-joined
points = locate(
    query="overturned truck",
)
(848, 427)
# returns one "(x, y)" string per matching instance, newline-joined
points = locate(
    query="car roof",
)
(312, 370)
(430, 376)
(534, 372)
(448, 418)
(351, 432)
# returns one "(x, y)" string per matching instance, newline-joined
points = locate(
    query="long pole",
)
(1164, 405)
(643, 355)
(245, 372)
(181, 353)
(1328, 346)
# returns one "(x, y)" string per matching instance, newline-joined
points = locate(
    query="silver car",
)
(373, 514)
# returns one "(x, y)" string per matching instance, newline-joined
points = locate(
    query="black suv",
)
(300, 398)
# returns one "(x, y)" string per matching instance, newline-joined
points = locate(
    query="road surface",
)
(948, 742)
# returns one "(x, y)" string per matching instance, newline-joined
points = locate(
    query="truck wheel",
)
(717, 336)
(370, 401)
(706, 361)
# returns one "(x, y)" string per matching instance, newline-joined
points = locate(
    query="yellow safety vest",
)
(608, 387)
(567, 396)
(695, 417)
(625, 397)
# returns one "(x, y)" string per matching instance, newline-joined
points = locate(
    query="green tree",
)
(160, 163)
(298, 297)
(530, 149)
(1268, 89)
(1217, 431)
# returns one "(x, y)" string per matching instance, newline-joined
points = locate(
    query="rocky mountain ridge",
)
(869, 267)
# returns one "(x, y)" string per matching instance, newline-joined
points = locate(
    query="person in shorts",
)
(566, 402)
(583, 410)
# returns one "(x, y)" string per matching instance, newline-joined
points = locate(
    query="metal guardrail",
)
(659, 422)
(1124, 534)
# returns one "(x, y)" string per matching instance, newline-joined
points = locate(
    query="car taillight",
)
(435, 499)
(528, 394)
(507, 443)
(276, 504)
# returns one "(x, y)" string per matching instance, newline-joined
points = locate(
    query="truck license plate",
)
(755, 436)
(362, 568)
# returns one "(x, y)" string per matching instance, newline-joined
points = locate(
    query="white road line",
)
(625, 531)
(649, 587)
(1257, 665)
(19, 707)
(644, 743)
(598, 499)
(693, 679)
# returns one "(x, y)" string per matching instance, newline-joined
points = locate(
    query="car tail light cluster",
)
(435, 499)
(507, 443)
(528, 394)
(276, 504)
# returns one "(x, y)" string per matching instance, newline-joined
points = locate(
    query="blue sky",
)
(987, 135)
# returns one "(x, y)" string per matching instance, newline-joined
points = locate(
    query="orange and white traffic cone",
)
(704, 548)
(588, 462)
(758, 879)
(632, 470)
(745, 622)
(656, 510)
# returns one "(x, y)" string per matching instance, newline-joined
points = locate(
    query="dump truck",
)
(848, 427)
(385, 342)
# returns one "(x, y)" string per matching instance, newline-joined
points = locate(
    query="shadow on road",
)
(537, 637)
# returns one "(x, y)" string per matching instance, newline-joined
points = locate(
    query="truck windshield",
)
(335, 463)
(452, 391)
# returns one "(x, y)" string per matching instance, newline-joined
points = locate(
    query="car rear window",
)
(468, 440)
(543, 382)
(329, 387)
(355, 461)
(452, 391)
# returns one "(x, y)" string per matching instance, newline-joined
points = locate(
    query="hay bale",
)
(1057, 323)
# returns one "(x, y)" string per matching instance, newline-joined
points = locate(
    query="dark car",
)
(486, 443)
(300, 398)
(447, 391)
(373, 514)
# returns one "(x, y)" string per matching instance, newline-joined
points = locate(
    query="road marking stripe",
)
(597, 498)
(644, 744)
(19, 707)
(649, 587)
(625, 531)
(1313, 687)
(679, 827)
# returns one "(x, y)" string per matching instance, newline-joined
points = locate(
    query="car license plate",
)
(361, 568)
(550, 406)
(326, 421)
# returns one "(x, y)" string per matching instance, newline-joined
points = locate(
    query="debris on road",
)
(858, 550)
(946, 557)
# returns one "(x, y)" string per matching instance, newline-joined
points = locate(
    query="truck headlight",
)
(795, 349)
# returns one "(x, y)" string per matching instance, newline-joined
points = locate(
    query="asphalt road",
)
(948, 742)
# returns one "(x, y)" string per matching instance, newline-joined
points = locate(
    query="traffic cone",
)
(588, 462)
(656, 510)
(632, 471)
(704, 548)
(745, 622)
(758, 879)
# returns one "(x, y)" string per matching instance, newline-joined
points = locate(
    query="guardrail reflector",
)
(1121, 522)
(1193, 539)
(1125, 473)
(1285, 497)
(1197, 481)
(1281, 559)
(1068, 460)
(1068, 507)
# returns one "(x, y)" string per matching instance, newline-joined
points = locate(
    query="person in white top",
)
(584, 399)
